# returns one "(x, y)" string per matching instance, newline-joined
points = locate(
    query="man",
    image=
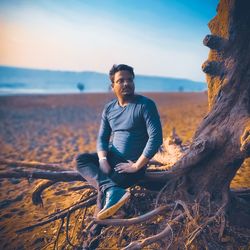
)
(132, 123)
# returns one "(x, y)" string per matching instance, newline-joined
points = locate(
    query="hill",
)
(23, 80)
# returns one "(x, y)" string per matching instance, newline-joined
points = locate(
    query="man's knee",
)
(82, 160)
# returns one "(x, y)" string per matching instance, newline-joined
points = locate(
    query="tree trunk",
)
(222, 141)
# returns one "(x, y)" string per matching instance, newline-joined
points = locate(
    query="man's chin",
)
(128, 94)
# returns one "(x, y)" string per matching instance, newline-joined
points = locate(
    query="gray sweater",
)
(134, 129)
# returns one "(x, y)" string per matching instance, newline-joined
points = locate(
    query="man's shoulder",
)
(144, 100)
(110, 104)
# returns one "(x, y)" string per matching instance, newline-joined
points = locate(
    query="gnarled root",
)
(135, 245)
(87, 202)
(245, 141)
(36, 195)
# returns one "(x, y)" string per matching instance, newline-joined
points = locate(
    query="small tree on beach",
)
(181, 89)
(80, 86)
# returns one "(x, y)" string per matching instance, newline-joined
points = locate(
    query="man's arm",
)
(103, 143)
(154, 130)
(103, 162)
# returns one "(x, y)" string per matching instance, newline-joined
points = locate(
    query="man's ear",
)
(111, 87)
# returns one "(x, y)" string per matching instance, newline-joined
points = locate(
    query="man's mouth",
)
(127, 89)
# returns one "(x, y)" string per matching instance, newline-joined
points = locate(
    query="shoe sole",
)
(112, 210)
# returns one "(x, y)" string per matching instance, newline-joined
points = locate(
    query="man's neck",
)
(125, 100)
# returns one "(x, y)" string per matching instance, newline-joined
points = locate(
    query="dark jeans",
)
(88, 167)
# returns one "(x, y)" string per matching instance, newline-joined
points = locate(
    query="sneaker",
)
(116, 197)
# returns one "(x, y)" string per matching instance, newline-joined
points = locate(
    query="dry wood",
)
(90, 201)
(65, 176)
(134, 220)
(136, 245)
(33, 164)
(36, 195)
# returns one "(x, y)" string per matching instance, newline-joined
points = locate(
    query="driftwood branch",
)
(136, 245)
(199, 229)
(64, 176)
(89, 201)
(36, 195)
(157, 177)
(33, 164)
(135, 220)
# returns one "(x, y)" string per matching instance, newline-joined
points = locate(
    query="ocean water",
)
(45, 91)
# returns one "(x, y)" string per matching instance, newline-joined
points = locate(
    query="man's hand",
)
(104, 166)
(128, 167)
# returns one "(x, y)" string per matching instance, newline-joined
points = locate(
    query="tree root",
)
(245, 141)
(135, 220)
(58, 234)
(136, 245)
(67, 230)
(89, 201)
(195, 233)
(196, 221)
(33, 164)
(80, 187)
(64, 176)
(36, 195)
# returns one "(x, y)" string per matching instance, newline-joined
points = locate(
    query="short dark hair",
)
(120, 67)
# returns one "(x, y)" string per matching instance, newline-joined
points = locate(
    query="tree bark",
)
(222, 141)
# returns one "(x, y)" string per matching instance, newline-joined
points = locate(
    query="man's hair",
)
(120, 67)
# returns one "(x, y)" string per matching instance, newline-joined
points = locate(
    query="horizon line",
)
(92, 71)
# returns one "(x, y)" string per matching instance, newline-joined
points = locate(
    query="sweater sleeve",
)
(104, 133)
(154, 129)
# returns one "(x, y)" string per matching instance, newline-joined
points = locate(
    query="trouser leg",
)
(88, 167)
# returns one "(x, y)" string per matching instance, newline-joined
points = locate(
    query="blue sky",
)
(156, 37)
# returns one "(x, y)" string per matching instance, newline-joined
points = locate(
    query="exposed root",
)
(193, 235)
(85, 186)
(184, 206)
(36, 195)
(135, 245)
(58, 234)
(33, 164)
(160, 194)
(95, 240)
(67, 230)
(67, 208)
(135, 220)
(119, 242)
(65, 176)
(245, 141)
(85, 203)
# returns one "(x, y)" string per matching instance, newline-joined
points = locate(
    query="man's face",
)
(123, 85)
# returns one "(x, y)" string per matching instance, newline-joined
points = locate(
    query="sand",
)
(54, 129)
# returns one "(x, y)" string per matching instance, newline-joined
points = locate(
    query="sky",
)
(156, 37)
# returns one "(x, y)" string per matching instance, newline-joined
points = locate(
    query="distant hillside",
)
(24, 80)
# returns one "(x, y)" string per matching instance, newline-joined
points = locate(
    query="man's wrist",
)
(136, 166)
(104, 158)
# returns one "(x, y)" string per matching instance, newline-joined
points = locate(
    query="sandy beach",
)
(54, 129)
